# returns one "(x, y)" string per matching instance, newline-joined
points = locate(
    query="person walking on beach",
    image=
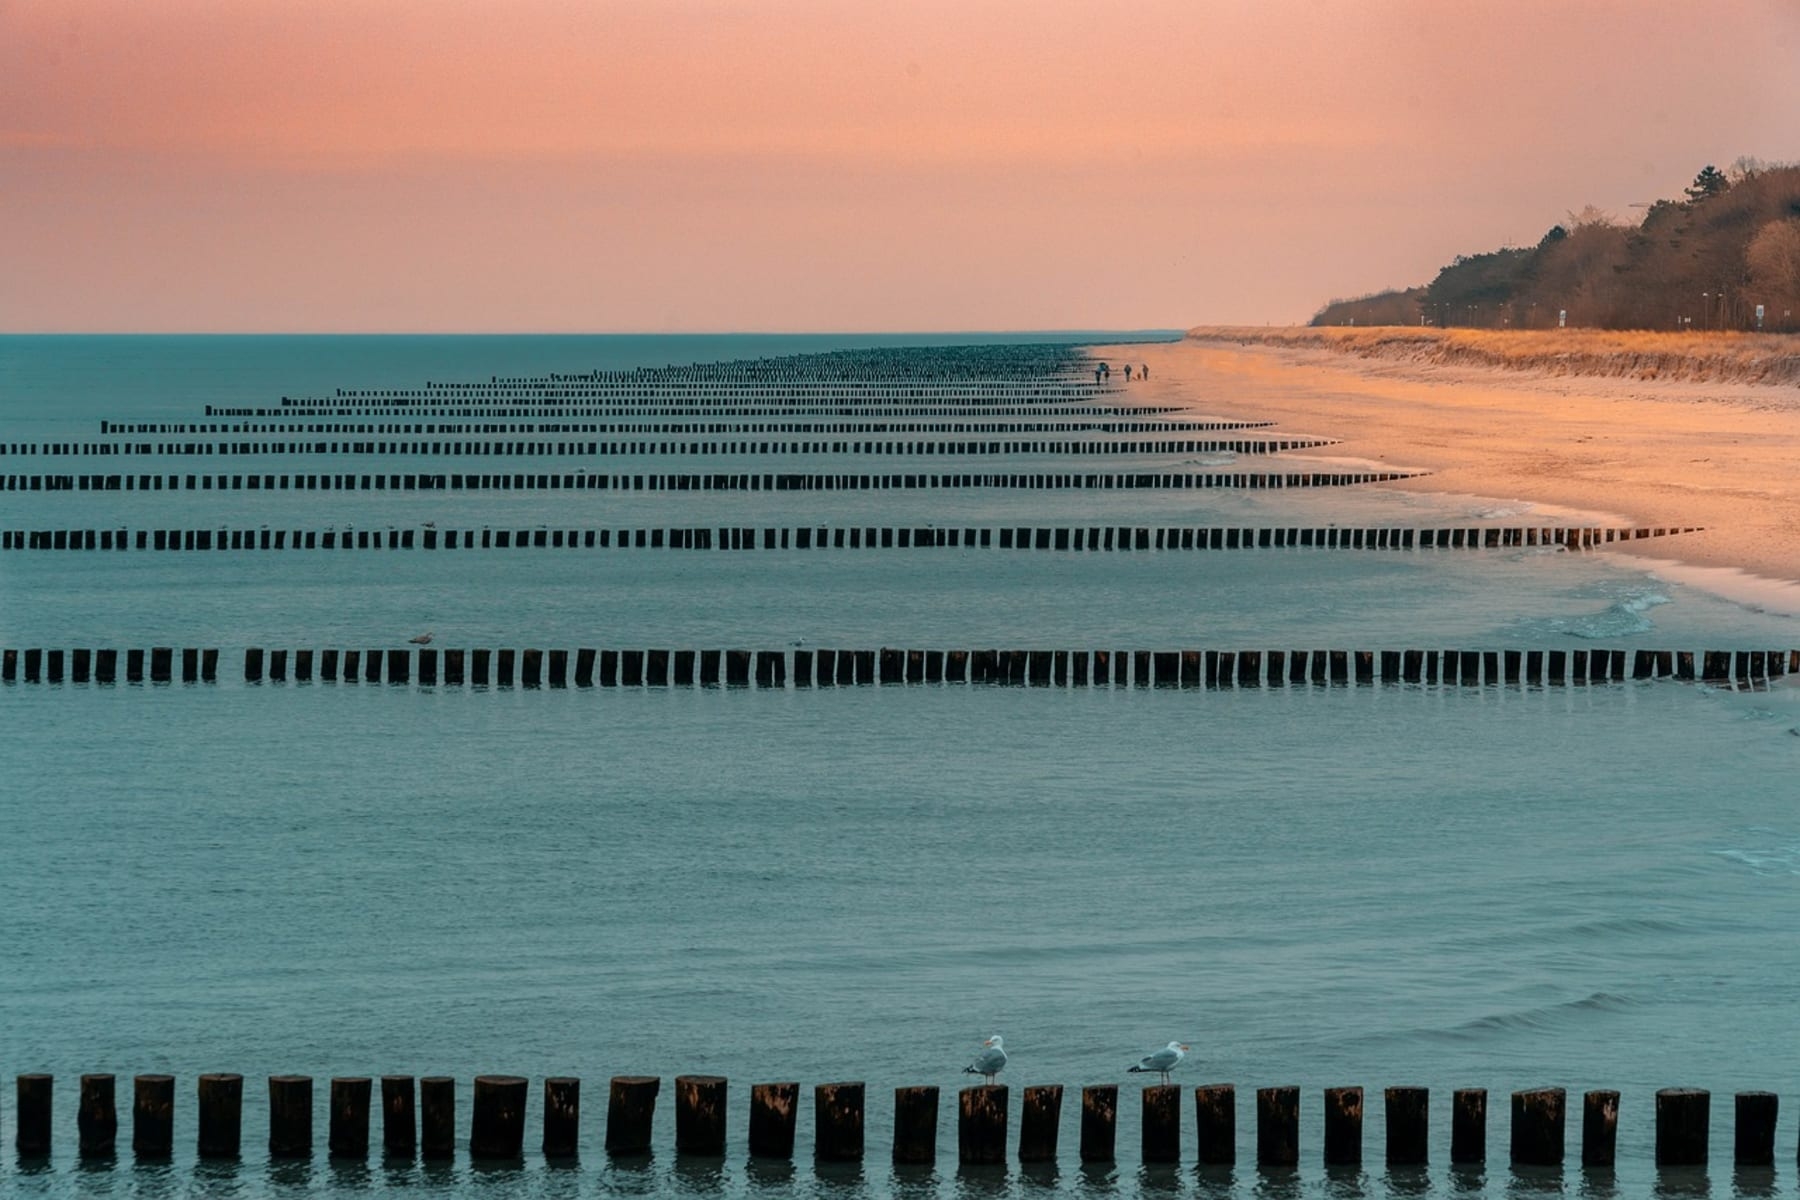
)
(1127, 372)
(1143, 370)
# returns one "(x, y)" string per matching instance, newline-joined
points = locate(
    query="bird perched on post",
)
(988, 1060)
(1161, 1061)
(424, 639)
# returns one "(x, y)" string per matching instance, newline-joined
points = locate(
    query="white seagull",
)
(989, 1059)
(1161, 1061)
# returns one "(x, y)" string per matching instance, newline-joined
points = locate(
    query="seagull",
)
(989, 1060)
(424, 639)
(1161, 1061)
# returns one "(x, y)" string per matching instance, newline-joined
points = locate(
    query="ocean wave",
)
(1223, 458)
(1500, 512)
(1542, 1017)
(1781, 858)
(1626, 616)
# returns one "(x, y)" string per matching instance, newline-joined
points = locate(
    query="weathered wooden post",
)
(399, 1120)
(1599, 1128)
(437, 1118)
(1408, 1126)
(1215, 1124)
(630, 1109)
(221, 1106)
(774, 1111)
(838, 1122)
(1099, 1122)
(1681, 1126)
(35, 1095)
(1754, 1132)
(1278, 1126)
(1537, 1127)
(981, 1124)
(253, 665)
(915, 1125)
(97, 1119)
(700, 1115)
(497, 1126)
(1161, 1125)
(562, 1116)
(1343, 1126)
(348, 1135)
(1468, 1126)
(290, 1116)
(153, 1116)
(1039, 1118)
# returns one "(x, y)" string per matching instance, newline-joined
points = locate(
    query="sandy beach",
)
(1725, 456)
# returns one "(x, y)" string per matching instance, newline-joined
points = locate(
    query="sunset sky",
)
(810, 165)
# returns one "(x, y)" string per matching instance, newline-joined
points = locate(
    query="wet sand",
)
(1720, 455)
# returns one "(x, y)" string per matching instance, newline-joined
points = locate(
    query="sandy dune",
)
(1725, 456)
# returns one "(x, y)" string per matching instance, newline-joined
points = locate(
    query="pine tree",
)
(1708, 183)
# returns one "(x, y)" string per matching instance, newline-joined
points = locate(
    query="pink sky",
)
(805, 165)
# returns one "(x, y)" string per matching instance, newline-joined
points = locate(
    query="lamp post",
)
(1706, 310)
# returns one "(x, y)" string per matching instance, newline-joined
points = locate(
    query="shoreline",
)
(1722, 455)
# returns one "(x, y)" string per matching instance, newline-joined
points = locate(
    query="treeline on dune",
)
(1706, 261)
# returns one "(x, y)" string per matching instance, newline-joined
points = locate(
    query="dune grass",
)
(1769, 359)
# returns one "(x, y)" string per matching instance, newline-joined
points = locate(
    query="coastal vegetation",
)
(1726, 256)
(1715, 357)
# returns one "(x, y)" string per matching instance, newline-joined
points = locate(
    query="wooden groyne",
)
(766, 481)
(1091, 448)
(890, 425)
(1210, 670)
(825, 537)
(774, 407)
(159, 664)
(420, 1119)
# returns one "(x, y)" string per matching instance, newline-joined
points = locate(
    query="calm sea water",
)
(1441, 887)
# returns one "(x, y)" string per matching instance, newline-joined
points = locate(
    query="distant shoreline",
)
(1767, 359)
(1660, 444)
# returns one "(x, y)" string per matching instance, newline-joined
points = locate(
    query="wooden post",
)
(35, 1095)
(1408, 1126)
(838, 1122)
(1099, 1122)
(1681, 1126)
(774, 1111)
(562, 1116)
(290, 1116)
(1215, 1124)
(1468, 1126)
(630, 1108)
(253, 665)
(915, 1125)
(221, 1104)
(399, 1121)
(437, 1118)
(1537, 1127)
(981, 1124)
(497, 1126)
(349, 1129)
(1161, 1126)
(153, 1116)
(1599, 1128)
(97, 1120)
(1040, 1116)
(1343, 1126)
(1278, 1127)
(1754, 1132)
(700, 1115)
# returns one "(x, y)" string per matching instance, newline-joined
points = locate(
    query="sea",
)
(1486, 886)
